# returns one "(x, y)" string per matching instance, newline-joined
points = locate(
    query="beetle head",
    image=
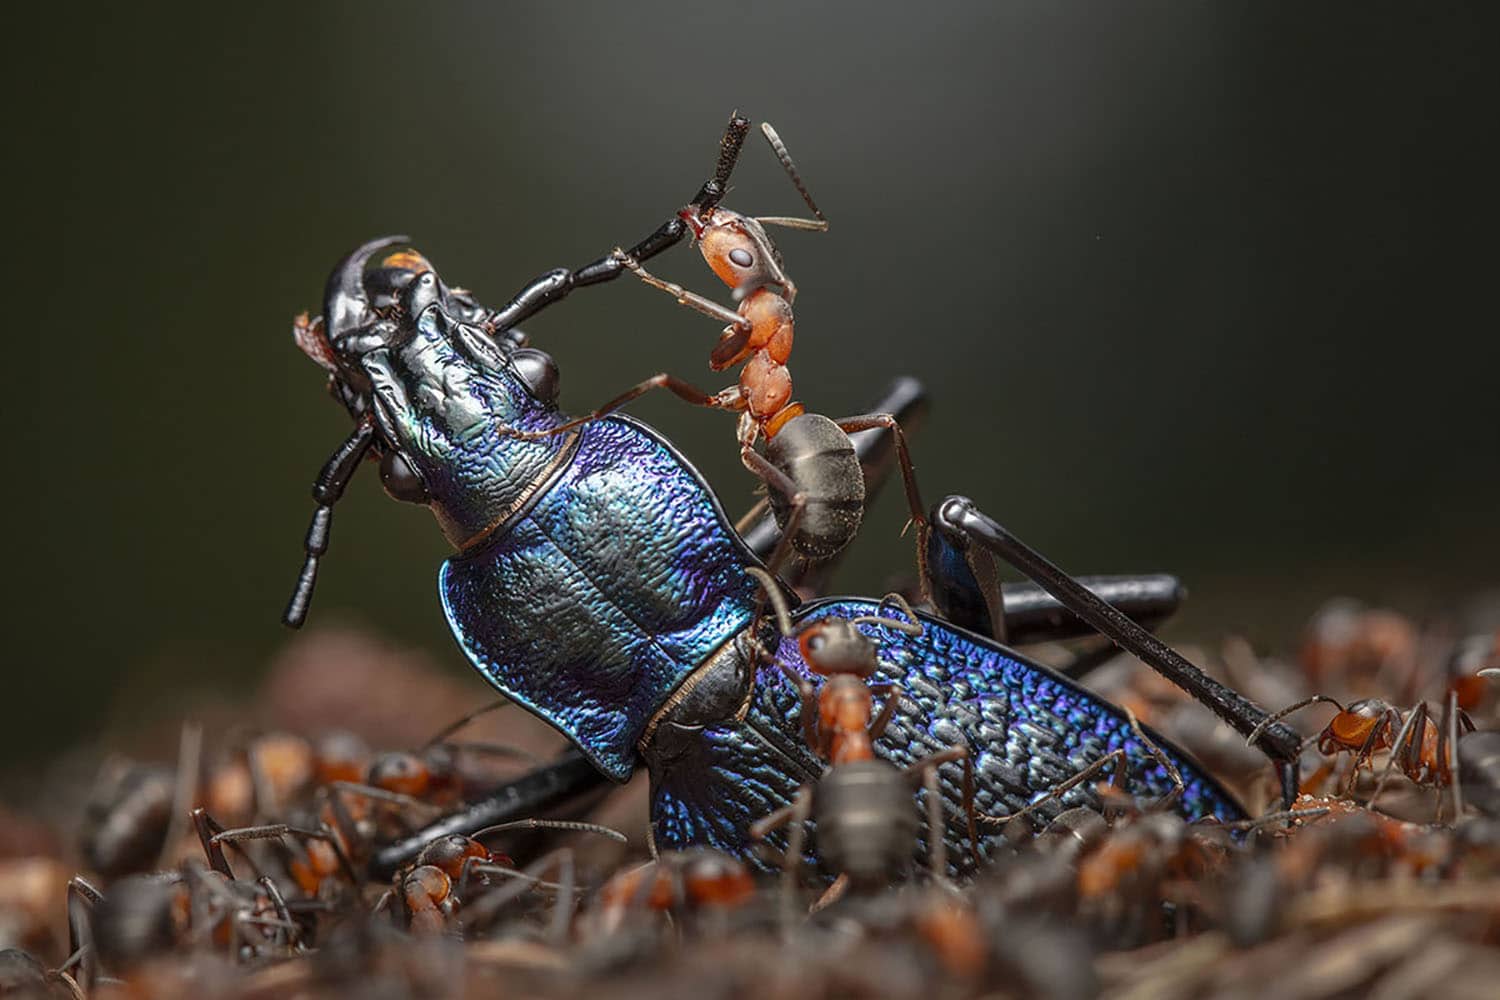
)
(415, 356)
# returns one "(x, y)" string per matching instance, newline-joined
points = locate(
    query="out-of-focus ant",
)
(816, 485)
(677, 882)
(866, 822)
(436, 891)
(1424, 751)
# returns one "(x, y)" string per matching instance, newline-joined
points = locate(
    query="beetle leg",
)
(965, 524)
(555, 285)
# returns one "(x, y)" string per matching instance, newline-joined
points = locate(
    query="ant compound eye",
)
(400, 479)
(817, 642)
(741, 257)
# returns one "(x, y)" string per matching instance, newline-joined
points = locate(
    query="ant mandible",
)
(817, 488)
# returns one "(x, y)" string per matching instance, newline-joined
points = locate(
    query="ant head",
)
(451, 852)
(400, 772)
(737, 249)
(1368, 708)
(835, 646)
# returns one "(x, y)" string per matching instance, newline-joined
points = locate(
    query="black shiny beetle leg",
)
(964, 587)
(547, 789)
(330, 485)
(964, 526)
(554, 285)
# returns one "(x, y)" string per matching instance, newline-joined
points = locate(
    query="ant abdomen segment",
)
(819, 458)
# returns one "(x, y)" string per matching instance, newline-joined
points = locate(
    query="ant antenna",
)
(818, 224)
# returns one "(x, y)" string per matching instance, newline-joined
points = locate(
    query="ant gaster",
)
(862, 805)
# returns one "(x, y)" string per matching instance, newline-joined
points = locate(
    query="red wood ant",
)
(817, 488)
(436, 890)
(862, 805)
(1423, 751)
(676, 882)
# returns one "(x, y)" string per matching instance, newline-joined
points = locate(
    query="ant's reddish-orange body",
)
(817, 488)
(1424, 751)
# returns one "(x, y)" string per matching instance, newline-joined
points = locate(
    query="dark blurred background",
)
(1198, 287)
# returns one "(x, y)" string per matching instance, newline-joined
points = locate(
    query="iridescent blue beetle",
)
(598, 583)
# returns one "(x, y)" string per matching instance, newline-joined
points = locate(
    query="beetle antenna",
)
(337, 472)
(779, 147)
(713, 190)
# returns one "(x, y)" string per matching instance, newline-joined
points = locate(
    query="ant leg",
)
(959, 518)
(685, 391)
(809, 709)
(1272, 818)
(555, 285)
(791, 865)
(831, 895)
(275, 831)
(189, 757)
(930, 764)
(1155, 753)
(1115, 758)
(380, 794)
(82, 899)
(457, 724)
(692, 300)
(1447, 751)
(872, 421)
(327, 490)
(1382, 728)
(208, 830)
(479, 913)
(291, 935)
(796, 502)
(892, 695)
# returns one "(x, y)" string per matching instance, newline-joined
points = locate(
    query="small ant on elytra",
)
(862, 805)
(817, 488)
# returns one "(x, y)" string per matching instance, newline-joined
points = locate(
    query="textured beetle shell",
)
(1027, 728)
(616, 584)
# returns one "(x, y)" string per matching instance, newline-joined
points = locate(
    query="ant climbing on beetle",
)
(442, 390)
(816, 485)
(862, 805)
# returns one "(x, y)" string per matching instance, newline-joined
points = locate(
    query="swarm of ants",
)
(242, 869)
